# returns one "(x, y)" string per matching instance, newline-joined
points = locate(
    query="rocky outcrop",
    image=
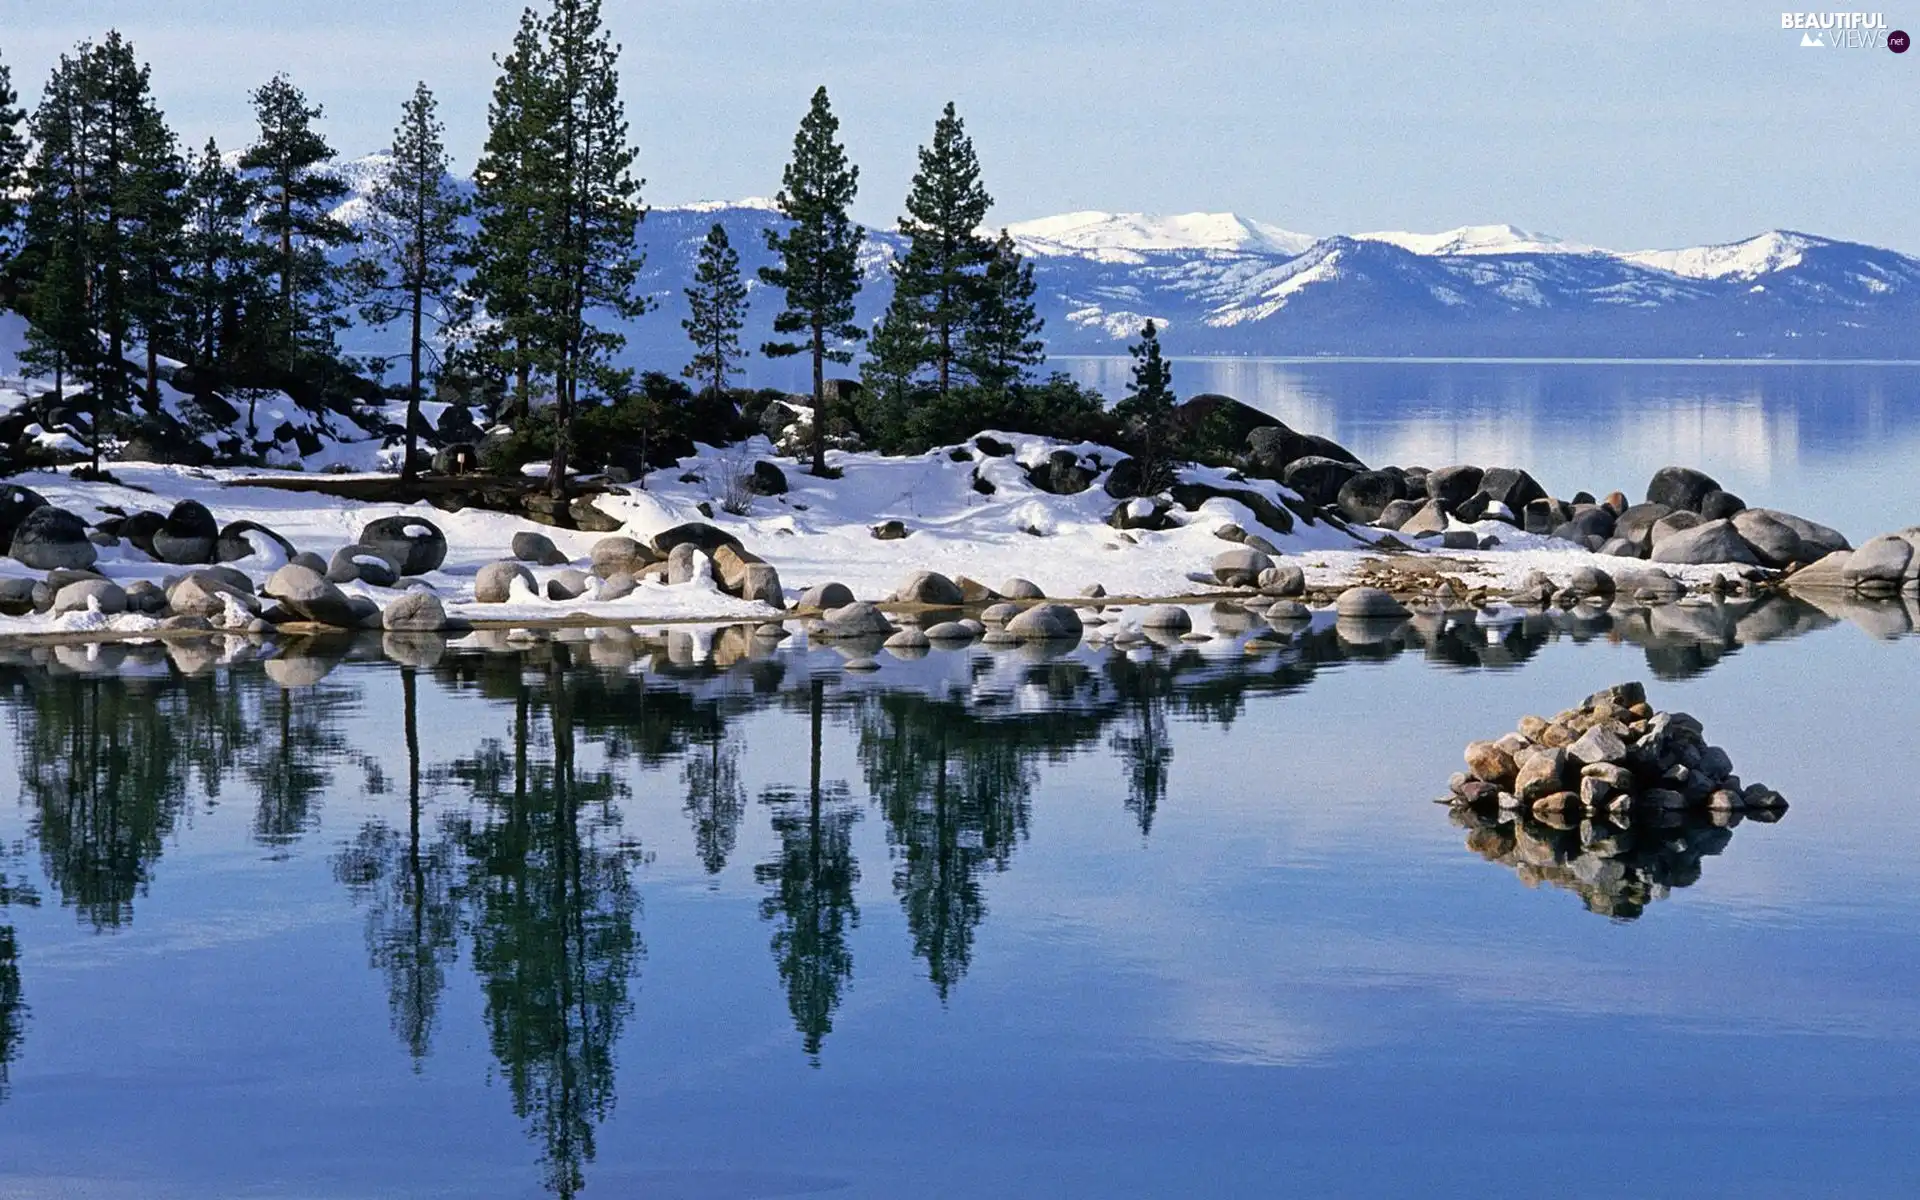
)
(414, 545)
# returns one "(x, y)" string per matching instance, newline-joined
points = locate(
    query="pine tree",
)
(938, 283)
(1147, 411)
(718, 305)
(1003, 343)
(819, 267)
(416, 243)
(507, 253)
(100, 185)
(157, 200)
(220, 295)
(13, 158)
(295, 217)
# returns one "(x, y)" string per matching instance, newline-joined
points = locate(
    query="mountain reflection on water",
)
(512, 849)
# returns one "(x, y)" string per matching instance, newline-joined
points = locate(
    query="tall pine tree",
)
(592, 209)
(1003, 343)
(509, 251)
(296, 219)
(717, 303)
(1147, 412)
(939, 282)
(819, 253)
(416, 245)
(13, 160)
(223, 301)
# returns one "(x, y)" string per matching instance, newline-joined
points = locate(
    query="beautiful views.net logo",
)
(1844, 30)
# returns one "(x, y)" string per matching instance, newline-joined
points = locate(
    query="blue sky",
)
(1626, 125)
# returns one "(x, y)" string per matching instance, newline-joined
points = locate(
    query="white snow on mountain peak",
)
(1774, 250)
(1123, 237)
(1476, 239)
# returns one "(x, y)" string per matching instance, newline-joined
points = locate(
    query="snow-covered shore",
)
(963, 512)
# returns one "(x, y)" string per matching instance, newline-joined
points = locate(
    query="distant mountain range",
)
(1221, 284)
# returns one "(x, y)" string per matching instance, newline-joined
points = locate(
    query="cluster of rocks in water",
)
(1612, 758)
(216, 590)
(618, 565)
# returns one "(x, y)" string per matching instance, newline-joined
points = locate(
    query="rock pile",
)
(1611, 757)
(1882, 567)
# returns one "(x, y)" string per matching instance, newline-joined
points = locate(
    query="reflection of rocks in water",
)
(1615, 871)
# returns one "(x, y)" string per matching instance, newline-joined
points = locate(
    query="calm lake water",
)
(701, 919)
(1836, 442)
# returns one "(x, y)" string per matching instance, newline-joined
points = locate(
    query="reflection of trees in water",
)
(715, 801)
(299, 737)
(552, 911)
(810, 890)
(407, 885)
(13, 1008)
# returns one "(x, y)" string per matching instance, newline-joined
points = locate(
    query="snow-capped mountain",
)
(1219, 283)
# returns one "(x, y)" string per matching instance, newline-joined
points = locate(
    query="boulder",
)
(1396, 514)
(1619, 547)
(1192, 495)
(1000, 614)
(767, 479)
(16, 596)
(494, 583)
(15, 503)
(1636, 524)
(1712, 542)
(139, 529)
(621, 555)
(761, 582)
(1318, 479)
(309, 594)
(1474, 508)
(1240, 567)
(1022, 589)
(311, 561)
(992, 446)
(1431, 518)
(188, 536)
(1654, 586)
(929, 587)
(1590, 582)
(417, 611)
(1773, 541)
(200, 594)
(1284, 611)
(1490, 762)
(889, 531)
(1881, 560)
(855, 620)
(1167, 618)
(240, 541)
(908, 639)
(1543, 773)
(1718, 505)
(1678, 521)
(1062, 474)
(1272, 448)
(824, 596)
(1816, 539)
(698, 534)
(537, 548)
(686, 562)
(1588, 521)
(1452, 485)
(1282, 579)
(1680, 487)
(617, 586)
(1369, 603)
(364, 564)
(730, 566)
(1512, 487)
(571, 584)
(103, 594)
(1046, 623)
(1142, 512)
(1545, 515)
(1598, 744)
(1125, 480)
(1365, 496)
(49, 537)
(414, 545)
(951, 631)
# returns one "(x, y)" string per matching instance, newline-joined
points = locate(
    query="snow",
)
(1122, 237)
(1775, 250)
(1477, 239)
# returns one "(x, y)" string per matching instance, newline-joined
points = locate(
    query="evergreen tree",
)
(13, 158)
(508, 251)
(220, 296)
(1147, 411)
(819, 253)
(1003, 343)
(939, 282)
(101, 187)
(156, 245)
(295, 218)
(591, 204)
(718, 303)
(416, 244)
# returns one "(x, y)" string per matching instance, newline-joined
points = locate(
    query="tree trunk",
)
(819, 401)
(413, 388)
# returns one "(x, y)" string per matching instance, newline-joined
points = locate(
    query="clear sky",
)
(1624, 124)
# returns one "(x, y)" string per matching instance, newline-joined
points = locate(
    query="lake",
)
(705, 918)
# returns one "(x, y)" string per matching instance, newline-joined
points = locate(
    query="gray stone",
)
(616, 555)
(537, 548)
(1430, 518)
(889, 531)
(414, 545)
(1288, 611)
(1883, 559)
(931, 588)
(1396, 514)
(1000, 614)
(617, 586)
(311, 561)
(951, 631)
(416, 611)
(199, 594)
(1170, 618)
(494, 583)
(188, 536)
(1772, 540)
(1368, 603)
(686, 563)
(569, 584)
(1452, 485)
(859, 619)
(1365, 496)
(1598, 745)
(826, 595)
(50, 537)
(1620, 548)
(1636, 524)
(1711, 542)
(310, 595)
(1678, 521)
(363, 563)
(1590, 581)
(1718, 505)
(1680, 488)
(145, 597)
(1283, 579)
(1512, 487)
(1240, 567)
(1046, 623)
(1022, 589)
(760, 582)
(241, 540)
(698, 534)
(1542, 773)
(103, 594)
(908, 639)
(1318, 479)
